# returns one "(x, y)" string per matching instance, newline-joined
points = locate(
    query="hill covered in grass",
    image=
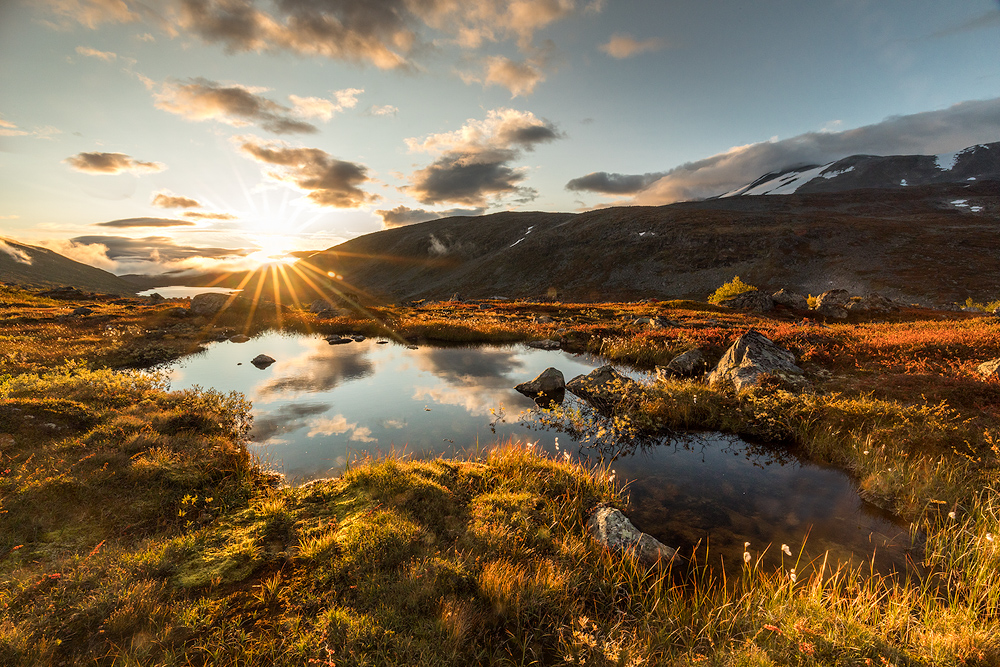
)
(32, 266)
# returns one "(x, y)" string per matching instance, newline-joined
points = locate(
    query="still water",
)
(321, 405)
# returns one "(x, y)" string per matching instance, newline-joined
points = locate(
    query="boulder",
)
(833, 303)
(754, 301)
(82, 310)
(750, 358)
(547, 344)
(689, 364)
(546, 389)
(790, 299)
(334, 339)
(872, 304)
(262, 361)
(178, 312)
(544, 319)
(612, 528)
(239, 338)
(604, 387)
(209, 303)
(989, 369)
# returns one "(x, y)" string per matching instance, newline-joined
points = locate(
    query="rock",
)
(689, 364)
(752, 356)
(833, 303)
(754, 301)
(612, 528)
(547, 344)
(544, 319)
(334, 339)
(989, 369)
(82, 310)
(548, 388)
(663, 323)
(239, 338)
(872, 304)
(319, 306)
(642, 320)
(262, 361)
(209, 303)
(178, 312)
(357, 338)
(604, 387)
(790, 299)
(155, 298)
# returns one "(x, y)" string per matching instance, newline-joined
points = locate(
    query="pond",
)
(320, 405)
(181, 291)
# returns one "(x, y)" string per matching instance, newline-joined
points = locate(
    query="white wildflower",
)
(791, 575)
(566, 456)
(952, 515)
(746, 556)
(786, 549)
(989, 537)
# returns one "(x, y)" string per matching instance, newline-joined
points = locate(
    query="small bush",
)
(733, 288)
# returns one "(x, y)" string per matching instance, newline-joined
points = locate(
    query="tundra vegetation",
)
(135, 527)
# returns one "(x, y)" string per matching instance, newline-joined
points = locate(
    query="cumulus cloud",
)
(200, 99)
(338, 425)
(403, 215)
(167, 200)
(383, 110)
(198, 215)
(111, 163)
(145, 222)
(926, 133)
(326, 180)
(519, 77)
(474, 162)
(613, 184)
(622, 46)
(106, 56)
(318, 107)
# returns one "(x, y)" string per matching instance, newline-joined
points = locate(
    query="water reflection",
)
(319, 405)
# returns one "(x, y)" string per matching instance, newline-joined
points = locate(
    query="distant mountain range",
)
(980, 162)
(40, 267)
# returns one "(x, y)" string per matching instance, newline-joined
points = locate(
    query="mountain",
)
(32, 266)
(980, 162)
(930, 243)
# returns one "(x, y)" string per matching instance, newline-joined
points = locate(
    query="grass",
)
(135, 528)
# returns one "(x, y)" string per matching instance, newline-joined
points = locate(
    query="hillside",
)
(32, 266)
(933, 243)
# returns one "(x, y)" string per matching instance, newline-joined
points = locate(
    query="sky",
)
(153, 135)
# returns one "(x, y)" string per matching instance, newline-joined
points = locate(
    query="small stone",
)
(262, 361)
(612, 528)
(239, 338)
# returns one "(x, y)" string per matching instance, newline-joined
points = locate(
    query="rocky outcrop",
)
(989, 369)
(262, 361)
(612, 528)
(546, 344)
(792, 300)
(754, 301)
(872, 304)
(548, 388)
(210, 303)
(833, 303)
(604, 387)
(689, 364)
(751, 358)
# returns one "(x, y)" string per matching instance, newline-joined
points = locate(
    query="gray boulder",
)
(612, 528)
(334, 339)
(239, 338)
(790, 299)
(209, 303)
(750, 358)
(989, 369)
(833, 303)
(82, 310)
(262, 361)
(872, 304)
(546, 389)
(754, 301)
(689, 364)
(547, 344)
(604, 387)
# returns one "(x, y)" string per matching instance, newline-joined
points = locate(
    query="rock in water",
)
(752, 356)
(239, 338)
(754, 301)
(604, 387)
(547, 344)
(689, 364)
(548, 388)
(613, 529)
(262, 361)
(790, 299)
(833, 303)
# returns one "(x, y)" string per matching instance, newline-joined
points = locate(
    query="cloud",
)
(384, 110)
(338, 425)
(92, 13)
(111, 163)
(474, 161)
(520, 78)
(402, 215)
(317, 107)
(613, 184)
(145, 222)
(156, 254)
(16, 254)
(106, 56)
(327, 180)
(8, 129)
(165, 200)
(622, 46)
(200, 100)
(926, 133)
(286, 419)
(198, 215)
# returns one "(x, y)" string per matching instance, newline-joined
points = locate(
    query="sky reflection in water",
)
(320, 405)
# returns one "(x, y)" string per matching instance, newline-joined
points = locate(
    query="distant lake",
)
(181, 291)
(321, 405)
